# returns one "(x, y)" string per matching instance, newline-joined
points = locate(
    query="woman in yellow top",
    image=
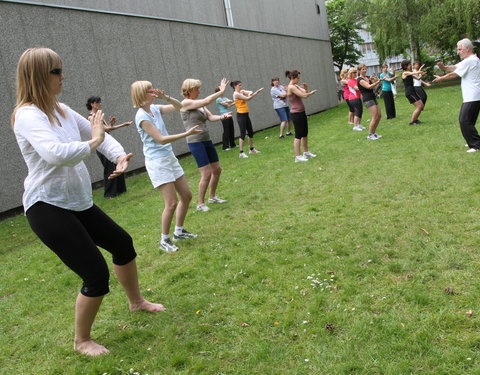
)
(241, 97)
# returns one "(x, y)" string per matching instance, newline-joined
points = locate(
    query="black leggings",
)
(300, 123)
(74, 236)
(245, 125)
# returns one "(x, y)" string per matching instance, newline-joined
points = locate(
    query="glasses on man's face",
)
(57, 72)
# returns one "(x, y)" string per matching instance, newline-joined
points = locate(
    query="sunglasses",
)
(57, 72)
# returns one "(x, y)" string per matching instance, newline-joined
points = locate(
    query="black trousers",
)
(389, 104)
(114, 186)
(468, 118)
(228, 137)
(74, 236)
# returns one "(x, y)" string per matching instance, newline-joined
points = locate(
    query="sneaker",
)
(216, 200)
(377, 135)
(372, 137)
(254, 151)
(226, 149)
(308, 154)
(362, 127)
(357, 128)
(243, 155)
(299, 159)
(414, 123)
(202, 207)
(472, 150)
(168, 246)
(288, 134)
(281, 136)
(184, 235)
(419, 122)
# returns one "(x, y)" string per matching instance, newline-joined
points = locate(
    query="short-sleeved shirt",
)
(151, 148)
(354, 94)
(386, 85)
(278, 102)
(367, 94)
(221, 108)
(469, 70)
(192, 118)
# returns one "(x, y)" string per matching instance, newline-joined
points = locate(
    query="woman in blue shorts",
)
(280, 104)
(195, 113)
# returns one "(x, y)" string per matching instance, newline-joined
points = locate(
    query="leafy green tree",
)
(448, 21)
(344, 26)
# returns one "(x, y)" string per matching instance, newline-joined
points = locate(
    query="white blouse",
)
(54, 156)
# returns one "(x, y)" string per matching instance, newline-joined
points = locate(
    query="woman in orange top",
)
(241, 97)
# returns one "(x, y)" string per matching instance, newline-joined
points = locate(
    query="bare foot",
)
(90, 347)
(147, 306)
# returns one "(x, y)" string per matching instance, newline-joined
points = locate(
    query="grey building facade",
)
(108, 44)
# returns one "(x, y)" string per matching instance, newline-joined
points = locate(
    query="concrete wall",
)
(104, 53)
(298, 18)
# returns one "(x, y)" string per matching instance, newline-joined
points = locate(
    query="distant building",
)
(370, 57)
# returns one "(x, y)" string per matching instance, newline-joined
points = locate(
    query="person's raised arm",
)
(446, 68)
(189, 104)
(367, 85)
(238, 95)
(302, 93)
(153, 132)
(174, 105)
(446, 77)
(212, 117)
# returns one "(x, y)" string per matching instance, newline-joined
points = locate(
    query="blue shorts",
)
(283, 113)
(203, 152)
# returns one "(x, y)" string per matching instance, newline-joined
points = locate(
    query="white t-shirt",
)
(469, 70)
(54, 156)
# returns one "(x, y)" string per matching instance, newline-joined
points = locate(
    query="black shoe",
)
(281, 136)
(288, 134)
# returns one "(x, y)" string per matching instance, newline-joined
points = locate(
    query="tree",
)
(343, 34)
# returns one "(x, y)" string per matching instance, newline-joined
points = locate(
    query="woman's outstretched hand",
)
(122, 165)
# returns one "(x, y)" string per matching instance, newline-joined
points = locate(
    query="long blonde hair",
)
(33, 70)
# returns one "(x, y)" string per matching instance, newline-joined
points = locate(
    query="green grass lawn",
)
(363, 260)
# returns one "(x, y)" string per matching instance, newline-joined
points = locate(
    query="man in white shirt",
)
(469, 70)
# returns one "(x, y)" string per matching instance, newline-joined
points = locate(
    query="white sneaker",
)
(372, 137)
(308, 154)
(472, 150)
(254, 151)
(202, 207)
(299, 159)
(243, 155)
(168, 246)
(357, 128)
(377, 135)
(362, 127)
(216, 200)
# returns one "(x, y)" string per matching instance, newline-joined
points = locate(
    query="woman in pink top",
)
(346, 95)
(297, 113)
(355, 99)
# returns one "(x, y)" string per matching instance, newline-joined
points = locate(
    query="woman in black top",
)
(366, 87)
(412, 96)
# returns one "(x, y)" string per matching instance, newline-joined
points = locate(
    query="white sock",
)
(165, 237)
(178, 230)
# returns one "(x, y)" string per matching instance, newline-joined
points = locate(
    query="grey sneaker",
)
(216, 200)
(308, 154)
(203, 207)
(184, 235)
(168, 246)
